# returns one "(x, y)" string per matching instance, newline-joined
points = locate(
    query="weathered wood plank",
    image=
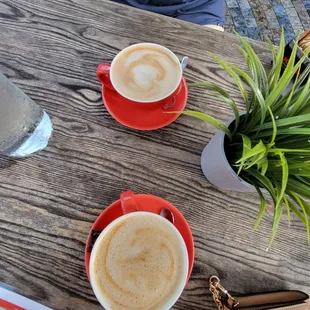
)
(49, 201)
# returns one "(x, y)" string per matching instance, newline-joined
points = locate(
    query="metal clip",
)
(215, 287)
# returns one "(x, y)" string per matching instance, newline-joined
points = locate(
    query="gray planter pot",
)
(217, 169)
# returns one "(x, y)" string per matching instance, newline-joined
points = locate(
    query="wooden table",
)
(51, 48)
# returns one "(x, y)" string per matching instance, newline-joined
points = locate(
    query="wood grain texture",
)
(51, 49)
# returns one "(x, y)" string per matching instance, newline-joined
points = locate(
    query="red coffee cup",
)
(105, 73)
(130, 207)
(131, 202)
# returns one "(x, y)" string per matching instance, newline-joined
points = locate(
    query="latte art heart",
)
(145, 73)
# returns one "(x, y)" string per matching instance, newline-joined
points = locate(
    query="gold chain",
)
(216, 288)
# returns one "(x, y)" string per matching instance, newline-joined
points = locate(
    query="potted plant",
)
(267, 147)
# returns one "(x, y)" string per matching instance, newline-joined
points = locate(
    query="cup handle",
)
(103, 75)
(169, 102)
(128, 202)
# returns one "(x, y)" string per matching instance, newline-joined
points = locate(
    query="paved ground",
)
(260, 18)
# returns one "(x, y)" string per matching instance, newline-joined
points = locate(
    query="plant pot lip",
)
(222, 140)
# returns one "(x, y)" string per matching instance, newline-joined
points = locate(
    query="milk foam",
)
(139, 264)
(145, 72)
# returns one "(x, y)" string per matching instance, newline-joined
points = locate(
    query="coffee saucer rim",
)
(172, 117)
(189, 245)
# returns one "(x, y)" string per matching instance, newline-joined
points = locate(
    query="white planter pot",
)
(217, 169)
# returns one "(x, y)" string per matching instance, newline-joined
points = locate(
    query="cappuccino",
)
(139, 262)
(146, 72)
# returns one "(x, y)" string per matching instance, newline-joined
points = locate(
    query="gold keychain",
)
(216, 288)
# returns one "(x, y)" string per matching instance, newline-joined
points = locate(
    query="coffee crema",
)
(145, 72)
(139, 263)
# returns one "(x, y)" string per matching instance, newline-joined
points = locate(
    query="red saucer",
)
(143, 116)
(148, 203)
